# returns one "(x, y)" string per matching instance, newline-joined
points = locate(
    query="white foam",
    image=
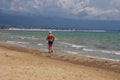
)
(34, 38)
(56, 39)
(104, 51)
(77, 46)
(85, 49)
(71, 52)
(65, 43)
(11, 42)
(72, 45)
(117, 53)
(112, 52)
(40, 44)
(16, 42)
(24, 37)
(23, 42)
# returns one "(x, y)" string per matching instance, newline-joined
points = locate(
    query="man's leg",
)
(49, 47)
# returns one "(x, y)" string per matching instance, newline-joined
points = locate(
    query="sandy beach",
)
(21, 63)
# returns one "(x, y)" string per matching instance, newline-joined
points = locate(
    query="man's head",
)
(50, 32)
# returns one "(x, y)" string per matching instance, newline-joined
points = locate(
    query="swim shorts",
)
(50, 42)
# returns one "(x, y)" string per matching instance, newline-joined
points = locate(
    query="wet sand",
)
(21, 63)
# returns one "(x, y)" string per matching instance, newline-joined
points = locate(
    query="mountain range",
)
(37, 21)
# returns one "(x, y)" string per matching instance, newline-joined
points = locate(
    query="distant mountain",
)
(56, 22)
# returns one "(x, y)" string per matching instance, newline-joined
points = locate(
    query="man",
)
(50, 38)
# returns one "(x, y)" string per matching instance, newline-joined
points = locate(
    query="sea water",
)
(95, 44)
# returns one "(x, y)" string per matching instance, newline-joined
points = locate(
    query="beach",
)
(22, 63)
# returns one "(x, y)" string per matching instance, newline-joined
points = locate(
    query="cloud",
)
(111, 12)
(73, 6)
(63, 6)
(99, 14)
(115, 3)
(77, 9)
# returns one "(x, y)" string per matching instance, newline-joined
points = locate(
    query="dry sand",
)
(20, 63)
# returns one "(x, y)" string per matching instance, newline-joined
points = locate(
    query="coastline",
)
(105, 64)
(84, 43)
(56, 30)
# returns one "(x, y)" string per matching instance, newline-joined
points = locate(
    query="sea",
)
(105, 45)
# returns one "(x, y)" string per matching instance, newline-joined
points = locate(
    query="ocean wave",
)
(16, 42)
(11, 42)
(111, 52)
(118, 53)
(56, 39)
(103, 51)
(71, 52)
(24, 37)
(65, 43)
(78, 46)
(32, 37)
(72, 45)
(39, 44)
(85, 49)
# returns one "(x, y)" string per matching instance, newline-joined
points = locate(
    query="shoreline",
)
(60, 52)
(57, 30)
(71, 58)
(84, 45)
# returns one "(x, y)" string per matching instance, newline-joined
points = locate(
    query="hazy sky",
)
(77, 9)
